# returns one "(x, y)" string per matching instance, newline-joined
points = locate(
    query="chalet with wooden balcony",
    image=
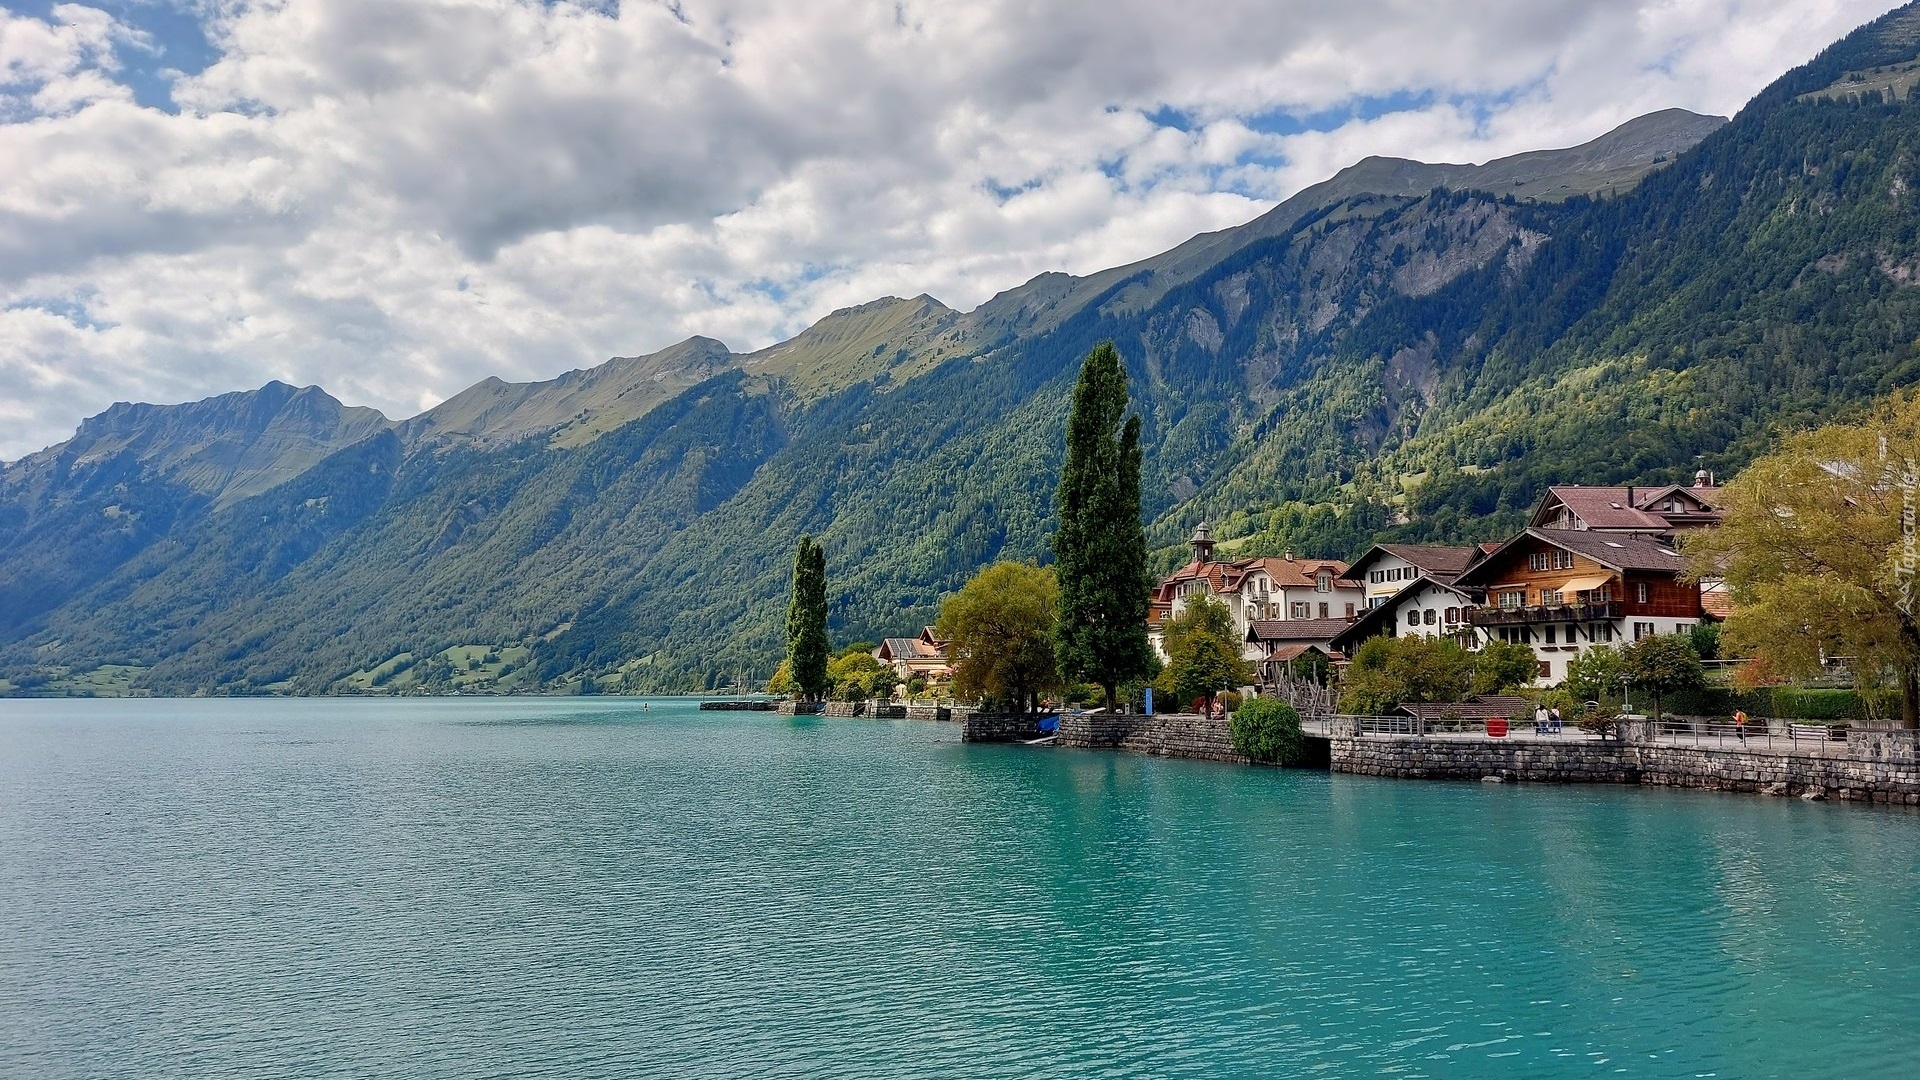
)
(1563, 591)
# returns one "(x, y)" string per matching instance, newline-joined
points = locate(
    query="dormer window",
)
(1323, 583)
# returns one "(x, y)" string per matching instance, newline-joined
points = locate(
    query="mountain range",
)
(1406, 350)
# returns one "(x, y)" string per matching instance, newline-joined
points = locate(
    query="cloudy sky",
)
(396, 198)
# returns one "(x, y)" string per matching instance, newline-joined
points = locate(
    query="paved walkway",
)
(1757, 743)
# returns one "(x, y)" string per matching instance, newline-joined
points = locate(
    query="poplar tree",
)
(807, 621)
(1100, 550)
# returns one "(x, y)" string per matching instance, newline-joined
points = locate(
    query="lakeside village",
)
(1596, 570)
(1755, 636)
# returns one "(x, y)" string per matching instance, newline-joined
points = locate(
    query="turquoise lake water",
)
(578, 888)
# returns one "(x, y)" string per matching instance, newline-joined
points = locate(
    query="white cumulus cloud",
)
(395, 198)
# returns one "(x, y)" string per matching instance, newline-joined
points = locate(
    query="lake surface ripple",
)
(580, 888)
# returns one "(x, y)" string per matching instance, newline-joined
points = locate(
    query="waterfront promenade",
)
(1878, 766)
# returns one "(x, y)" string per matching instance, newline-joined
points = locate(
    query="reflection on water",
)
(584, 888)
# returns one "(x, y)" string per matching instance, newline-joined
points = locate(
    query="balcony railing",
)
(1552, 613)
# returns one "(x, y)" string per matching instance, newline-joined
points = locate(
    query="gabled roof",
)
(1616, 551)
(1299, 630)
(1230, 577)
(1295, 652)
(1630, 508)
(906, 648)
(1436, 560)
(1598, 507)
(1375, 620)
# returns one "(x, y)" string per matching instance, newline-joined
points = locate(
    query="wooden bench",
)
(1816, 732)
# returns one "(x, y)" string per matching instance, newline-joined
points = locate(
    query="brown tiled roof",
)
(1311, 630)
(1606, 508)
(1438, 561)
(1623, 507)
(1228, 577)
(1617, 550)
(1295, 652)
(1716, 602)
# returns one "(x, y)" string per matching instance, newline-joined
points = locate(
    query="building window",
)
(1642, 630)
(1563, 560)
(1537, 561)
(1683, 628)
(1298, 611)
(1413, 617)
(1430, 617)
(1550, 640)
(1640, 591)
(1513, 598)
(1323, 583)
(1546, 670)
(1551, 597)
(1349, 611)
(1453, 615)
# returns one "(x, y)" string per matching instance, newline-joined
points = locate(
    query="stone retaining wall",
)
(938, 713)
(1183, 735)
(980, 727)
(1877, 766)
(799, 708)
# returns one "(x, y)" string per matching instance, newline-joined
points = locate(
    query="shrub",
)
(1269, 731)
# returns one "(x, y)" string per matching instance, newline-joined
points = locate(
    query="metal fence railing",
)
(1777, 735)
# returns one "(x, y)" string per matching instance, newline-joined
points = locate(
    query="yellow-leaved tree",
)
(1818, 550)
(999, 635)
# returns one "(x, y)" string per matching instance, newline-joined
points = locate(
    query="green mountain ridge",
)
(1407, 350)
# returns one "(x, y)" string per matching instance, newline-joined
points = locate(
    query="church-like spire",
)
(1202, 544)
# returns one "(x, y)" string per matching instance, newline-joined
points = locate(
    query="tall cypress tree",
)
(807, 620)
(1100, 550)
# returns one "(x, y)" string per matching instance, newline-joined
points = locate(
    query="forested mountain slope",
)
(1405, 350)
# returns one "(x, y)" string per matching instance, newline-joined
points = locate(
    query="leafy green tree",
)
(858, 676)
(1594, 675)
(1817, 549)
(807, 621)
(999, 632)
(1100, 550)
(1203, 665)
(1663, 664)
(1202, 615)
(1269, 731)
(1387, 671)
(782, 680)
(1500, 666)
(1706, 640)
